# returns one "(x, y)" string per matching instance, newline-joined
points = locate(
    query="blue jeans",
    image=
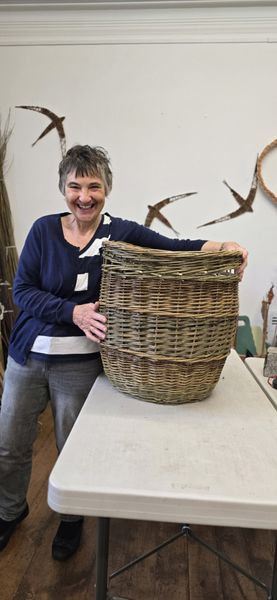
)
(27, 391)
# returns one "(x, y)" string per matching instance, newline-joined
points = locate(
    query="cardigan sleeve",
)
(133, 233)
(28, 294)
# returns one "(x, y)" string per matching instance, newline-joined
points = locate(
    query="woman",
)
(54, 347)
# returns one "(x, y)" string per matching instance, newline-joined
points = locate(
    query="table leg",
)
(274, 578)
(102, 555)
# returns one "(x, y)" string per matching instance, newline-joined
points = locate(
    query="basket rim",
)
(156, 252)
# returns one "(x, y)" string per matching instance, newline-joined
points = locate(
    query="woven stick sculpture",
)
(8, 252)
(154, 212)
(264, 311)
(245, 204)
(56, 123)
(261, 158)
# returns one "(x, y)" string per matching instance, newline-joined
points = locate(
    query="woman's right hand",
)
(92, 323)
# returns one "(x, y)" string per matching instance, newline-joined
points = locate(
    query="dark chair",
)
(244, 344)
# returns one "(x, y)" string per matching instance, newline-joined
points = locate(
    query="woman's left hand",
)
(234, 246)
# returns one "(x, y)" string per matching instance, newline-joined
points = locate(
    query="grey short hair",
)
(86, 161)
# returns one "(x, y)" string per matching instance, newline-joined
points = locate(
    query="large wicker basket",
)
(172, 319)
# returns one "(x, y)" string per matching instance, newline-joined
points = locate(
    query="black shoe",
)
(67, 539)
(7, 527)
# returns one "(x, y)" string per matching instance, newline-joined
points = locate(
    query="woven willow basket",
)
(172, 319)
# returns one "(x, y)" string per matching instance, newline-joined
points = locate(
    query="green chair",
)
(244, 344)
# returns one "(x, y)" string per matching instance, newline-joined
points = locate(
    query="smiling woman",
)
(54, 347)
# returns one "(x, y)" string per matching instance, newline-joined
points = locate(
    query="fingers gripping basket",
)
(172, 319)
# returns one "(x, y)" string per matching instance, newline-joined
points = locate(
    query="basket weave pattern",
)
(172, 319)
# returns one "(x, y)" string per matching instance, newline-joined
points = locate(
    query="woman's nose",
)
(84, 194)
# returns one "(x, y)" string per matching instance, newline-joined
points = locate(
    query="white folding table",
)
(212, 462)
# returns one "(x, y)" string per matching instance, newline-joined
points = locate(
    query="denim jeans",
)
(27, 391)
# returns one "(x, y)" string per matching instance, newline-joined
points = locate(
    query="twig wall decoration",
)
(154, 211)
(245, 203)
(56, 123)
(264, 311)
(263, 154)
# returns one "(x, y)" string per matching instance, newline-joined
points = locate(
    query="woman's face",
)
(85, 197)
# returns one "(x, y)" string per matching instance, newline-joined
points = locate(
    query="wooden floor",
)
(182, 571)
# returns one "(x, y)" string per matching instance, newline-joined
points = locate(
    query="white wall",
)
(174, 117)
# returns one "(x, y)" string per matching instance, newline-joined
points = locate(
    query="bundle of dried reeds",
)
(8, 252)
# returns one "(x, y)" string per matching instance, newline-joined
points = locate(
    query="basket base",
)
(161, 381)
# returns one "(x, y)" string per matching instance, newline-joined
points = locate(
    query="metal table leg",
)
(102, 555)
(274, 577)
